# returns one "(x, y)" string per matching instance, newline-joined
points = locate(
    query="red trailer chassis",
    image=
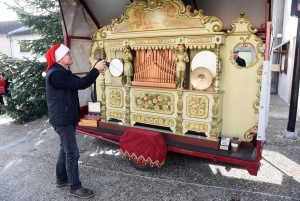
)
(251, 164)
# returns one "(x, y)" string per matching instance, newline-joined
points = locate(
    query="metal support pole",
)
(291, 133)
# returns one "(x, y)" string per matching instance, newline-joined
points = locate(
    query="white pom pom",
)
(44, 74)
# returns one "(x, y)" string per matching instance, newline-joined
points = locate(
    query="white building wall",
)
(16, 47)
(289, 34)
(5, 45)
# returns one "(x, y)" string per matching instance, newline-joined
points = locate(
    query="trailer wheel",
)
(140, 166)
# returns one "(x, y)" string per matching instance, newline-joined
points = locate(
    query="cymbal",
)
(201, 78)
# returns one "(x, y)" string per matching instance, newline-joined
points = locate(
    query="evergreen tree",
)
(28, 100)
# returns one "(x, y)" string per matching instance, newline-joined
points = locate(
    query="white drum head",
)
(116, 67)
(205, 59)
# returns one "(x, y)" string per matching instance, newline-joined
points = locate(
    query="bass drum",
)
(205, 59)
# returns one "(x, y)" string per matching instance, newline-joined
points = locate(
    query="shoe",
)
(82, 193)
(60, 184)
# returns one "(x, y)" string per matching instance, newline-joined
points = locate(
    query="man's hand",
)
(101, 66)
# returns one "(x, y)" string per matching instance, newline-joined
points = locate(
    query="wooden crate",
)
(91, 121)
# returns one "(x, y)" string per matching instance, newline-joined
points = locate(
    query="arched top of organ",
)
(157, 18)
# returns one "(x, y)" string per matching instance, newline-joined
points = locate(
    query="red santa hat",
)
(54, 54)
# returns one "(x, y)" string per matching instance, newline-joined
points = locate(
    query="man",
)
(240, 62)
(64, 113)
(7, 86)
(2, 89)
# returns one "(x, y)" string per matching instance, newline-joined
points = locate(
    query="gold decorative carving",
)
(178, 126)
(156, 102)
(94, 47)
(116, 114)
(213, 131)
(115, 98)
(197, 106)
(127, 111)
(215, 108)
(216, 82)
(248, 136)
(103, 53)
(259, 86)
(259, 70)
(196, 126)
(257, 102)
(127, 99)
(241, 21)
(199, 40)
(200, 46)
(142, 15)
(259, 45)
(179, 113)
(103, 98)
(256, 106)
(153, 41)
(179, 107)
(179, 103)
(116, 80)
(112, 43)
(209, 19)
(160, 121)
(114, 48)
(146, 19)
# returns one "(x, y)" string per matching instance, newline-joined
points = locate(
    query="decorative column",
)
(215, 108)
(214, 124)
(179, 114)
(216, 83)
(127, 110)
(103, 95)
(103, 99)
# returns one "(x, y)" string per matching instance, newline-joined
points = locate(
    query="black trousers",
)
(68, 156)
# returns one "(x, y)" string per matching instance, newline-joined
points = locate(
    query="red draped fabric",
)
(144, 146)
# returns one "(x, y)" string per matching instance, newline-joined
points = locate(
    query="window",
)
(283, 51)
(22, 46)
(285, 48)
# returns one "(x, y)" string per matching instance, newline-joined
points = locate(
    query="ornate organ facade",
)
(153, 29)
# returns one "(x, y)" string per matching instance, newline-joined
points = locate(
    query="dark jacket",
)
(7, 84)
(241, 62)
(62, 94)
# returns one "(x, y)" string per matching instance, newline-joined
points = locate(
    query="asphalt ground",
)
(28, 155)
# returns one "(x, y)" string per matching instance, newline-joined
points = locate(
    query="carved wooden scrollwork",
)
(103, 99)
(179, 113)
(242, 20)
(127, 111)
(248, 135)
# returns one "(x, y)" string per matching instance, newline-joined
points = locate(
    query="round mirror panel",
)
(243, 55)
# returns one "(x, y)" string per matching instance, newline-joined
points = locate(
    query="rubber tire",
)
(139, 166)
